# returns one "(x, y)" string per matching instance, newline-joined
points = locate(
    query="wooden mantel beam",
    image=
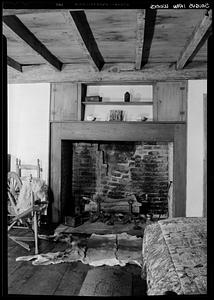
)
(110, 73)
(140, 38)
(26, 35)
(14, 64)
(197, 39)
(84, 36)
(12, 11)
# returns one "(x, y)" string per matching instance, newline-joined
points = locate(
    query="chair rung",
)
(29, 167)
(20, 227)
(22, 238)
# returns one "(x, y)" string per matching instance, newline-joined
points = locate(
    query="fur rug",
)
(110, 250)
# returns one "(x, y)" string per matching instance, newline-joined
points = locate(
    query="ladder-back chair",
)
(28, 217)
(20, 167)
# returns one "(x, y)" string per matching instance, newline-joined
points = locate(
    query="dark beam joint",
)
(26, 35)
(14, 64)
(88, 39)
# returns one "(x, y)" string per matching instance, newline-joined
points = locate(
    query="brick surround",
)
(115, 170)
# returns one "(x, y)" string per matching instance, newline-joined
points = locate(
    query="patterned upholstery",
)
(175, 256)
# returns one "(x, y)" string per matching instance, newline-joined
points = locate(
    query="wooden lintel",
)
(110, 73)
(196, 40)
(26, 35)
(84, 36)
(139, 38)
(14, 64)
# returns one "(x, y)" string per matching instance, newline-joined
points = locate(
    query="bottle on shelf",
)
(127, 97)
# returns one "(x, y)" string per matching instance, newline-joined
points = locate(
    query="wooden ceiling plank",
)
(14, 64)
(140, 38)
(26, 35)
(198, 38)
(84, 36)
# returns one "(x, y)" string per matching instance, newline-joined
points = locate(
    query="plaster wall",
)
(196, 89)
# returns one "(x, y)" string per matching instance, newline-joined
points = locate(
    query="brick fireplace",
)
(116, 160)
(116, 171)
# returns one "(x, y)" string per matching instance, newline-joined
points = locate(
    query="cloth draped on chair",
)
(36, 186)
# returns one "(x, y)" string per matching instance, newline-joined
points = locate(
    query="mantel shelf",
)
(120, 122)
(118, 103)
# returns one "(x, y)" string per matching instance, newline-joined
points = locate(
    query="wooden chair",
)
(20, 167)
(29, 217)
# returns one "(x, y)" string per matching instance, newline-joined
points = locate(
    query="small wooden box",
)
(93, 98)
(73, 221)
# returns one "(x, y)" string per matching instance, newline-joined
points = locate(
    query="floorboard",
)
(44, 280)
(107, 281)
(62, 279)
(72, 280)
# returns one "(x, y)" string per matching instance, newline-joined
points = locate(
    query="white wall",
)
(196, 89)
(28, 126)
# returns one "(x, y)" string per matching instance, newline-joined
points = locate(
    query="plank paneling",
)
(179, 171)
(205, 157)
(64, 102)
(55, 171)
(170, 98)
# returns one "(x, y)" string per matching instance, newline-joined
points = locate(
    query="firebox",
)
(113, 174)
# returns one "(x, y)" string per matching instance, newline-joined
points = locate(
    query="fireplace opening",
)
(100, 179)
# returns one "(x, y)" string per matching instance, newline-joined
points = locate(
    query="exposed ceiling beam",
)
(197, 39)
(10, 12)
(140, 37)
(84, 36)
(14, 64)
(110, 73)
(26, 35)
(149, 20)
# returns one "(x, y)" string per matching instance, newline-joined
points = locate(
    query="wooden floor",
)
(60, 279)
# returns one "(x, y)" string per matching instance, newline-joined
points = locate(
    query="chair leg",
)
(24, 245)
(35, 232)
(11, 225)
